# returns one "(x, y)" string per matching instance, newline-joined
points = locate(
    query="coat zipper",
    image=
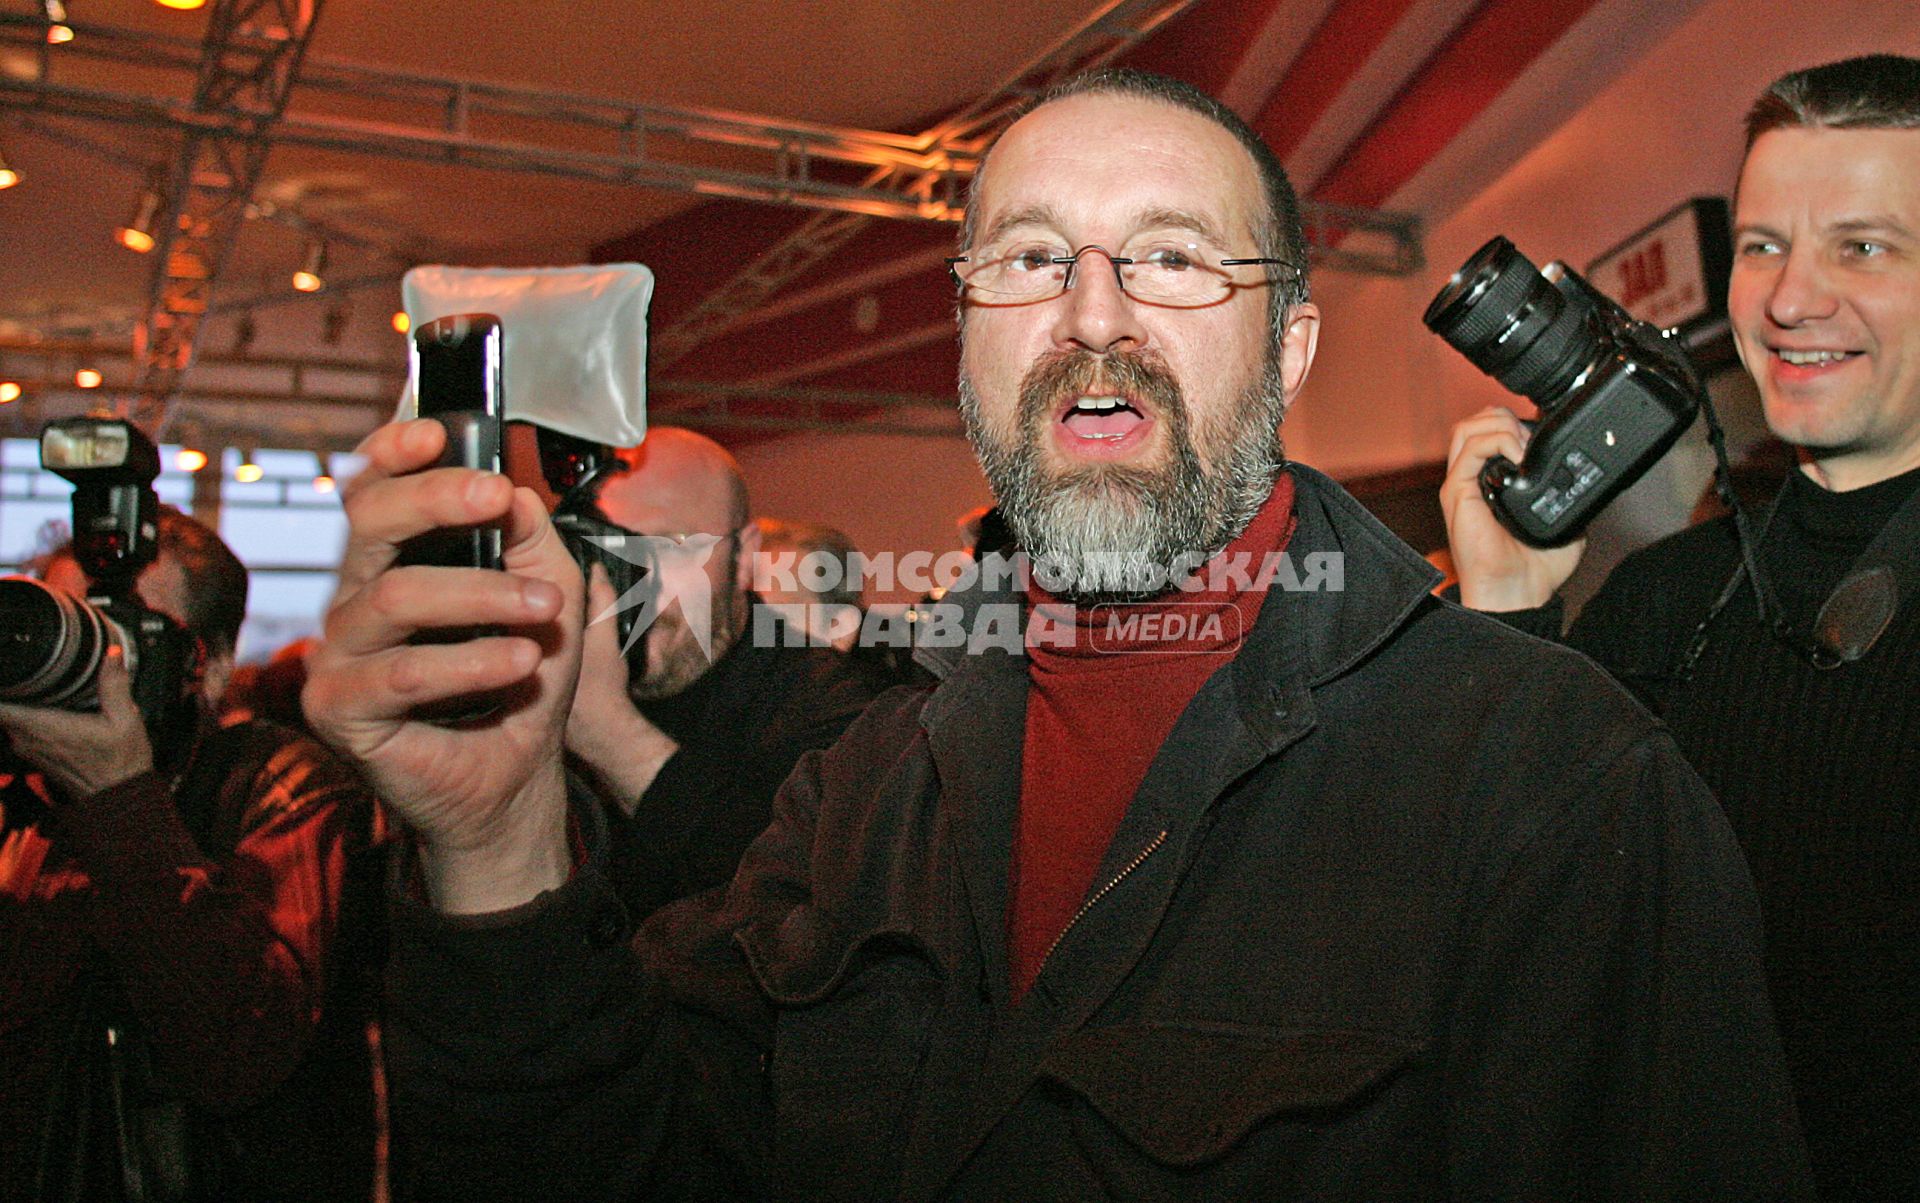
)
(1100, 893)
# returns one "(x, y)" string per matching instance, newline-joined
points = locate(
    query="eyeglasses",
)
(1168, 272)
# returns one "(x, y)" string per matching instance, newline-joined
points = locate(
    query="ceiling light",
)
(9, 391)
(190, 459)
(86, 378)
(247, 472)
(8, 176)
(182, 5)
(137, 234)
(58, 31)
(323, 481)
(401, 322)
(312, 276)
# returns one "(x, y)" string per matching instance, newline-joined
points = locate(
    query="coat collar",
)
(1303, 638)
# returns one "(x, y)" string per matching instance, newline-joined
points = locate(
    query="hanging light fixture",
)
(9, 391)
(137, 234)
(323, 481)
(87, 378)
(246, 471)
(58, 31)
(312, 276)
(190, 459)
(182, 5)
(8, 176)
(401, 322)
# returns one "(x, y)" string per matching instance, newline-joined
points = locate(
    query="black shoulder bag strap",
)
(1855, 614)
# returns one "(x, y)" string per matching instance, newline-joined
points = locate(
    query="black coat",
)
(1409, 906)
(741, 727)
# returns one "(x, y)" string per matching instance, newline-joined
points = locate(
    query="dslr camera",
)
(51, 643)
(1613, 392)
(573, 468)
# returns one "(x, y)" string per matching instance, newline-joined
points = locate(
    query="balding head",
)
(693, 479)
(678, 483)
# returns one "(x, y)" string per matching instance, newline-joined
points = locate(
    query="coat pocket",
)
(853, 1015)
(1186, 1094)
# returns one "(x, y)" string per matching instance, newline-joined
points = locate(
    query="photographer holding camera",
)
(176, 901)
(1786, 665)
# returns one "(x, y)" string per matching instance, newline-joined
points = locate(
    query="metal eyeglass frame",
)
(1114, 261)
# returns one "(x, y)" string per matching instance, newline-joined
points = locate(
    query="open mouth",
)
(1107, 419)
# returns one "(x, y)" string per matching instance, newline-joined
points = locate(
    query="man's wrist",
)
(622, 757)
(1501, 597)
(528, 857)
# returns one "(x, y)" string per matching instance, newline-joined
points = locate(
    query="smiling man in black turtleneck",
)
(1816, 764)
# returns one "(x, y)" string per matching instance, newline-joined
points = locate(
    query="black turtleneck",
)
(1816, 535)
(1819, 773)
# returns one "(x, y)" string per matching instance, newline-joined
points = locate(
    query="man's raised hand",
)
(487, 799)
(1497, 571)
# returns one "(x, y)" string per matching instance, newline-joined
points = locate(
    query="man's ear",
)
(214, 678)
(1299, 338)
(747, 538)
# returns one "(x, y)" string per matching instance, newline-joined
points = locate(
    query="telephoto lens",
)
(51, 645)
(1614, 393)
(1507, 317)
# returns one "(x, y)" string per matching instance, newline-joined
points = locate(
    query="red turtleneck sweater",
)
(1097, 713)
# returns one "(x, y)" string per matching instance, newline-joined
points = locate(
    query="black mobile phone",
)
(456, 369)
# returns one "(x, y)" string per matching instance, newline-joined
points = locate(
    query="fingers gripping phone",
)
(455, 364)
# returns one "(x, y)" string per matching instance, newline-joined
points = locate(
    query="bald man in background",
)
(687, 735)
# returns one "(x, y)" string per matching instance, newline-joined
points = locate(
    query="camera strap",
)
(1854, 615)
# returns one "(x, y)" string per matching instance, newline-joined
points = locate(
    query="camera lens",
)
(1508, 319)
(51, 644)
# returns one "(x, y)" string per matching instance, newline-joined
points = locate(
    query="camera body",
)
(572, 466)
(1614, 393)
(54, 643)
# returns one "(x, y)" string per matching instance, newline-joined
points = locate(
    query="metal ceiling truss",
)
(248, 61)
(505, 127)
(276, 385)
(1101, 37)
(728, 406)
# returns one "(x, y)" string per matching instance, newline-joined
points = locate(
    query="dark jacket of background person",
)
(1408, 907)
(1819, 773)
(218, 928)
(741, 728)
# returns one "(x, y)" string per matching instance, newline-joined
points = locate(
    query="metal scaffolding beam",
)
(510, 128)
(248, 61)
(1110, 30)
(241, 73)
(281, 389)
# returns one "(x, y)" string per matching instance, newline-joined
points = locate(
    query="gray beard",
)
(1117, 532)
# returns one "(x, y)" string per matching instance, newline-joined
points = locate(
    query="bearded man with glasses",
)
(1211, 885)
